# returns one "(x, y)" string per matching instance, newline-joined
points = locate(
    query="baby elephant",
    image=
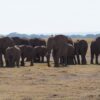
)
(13, 55)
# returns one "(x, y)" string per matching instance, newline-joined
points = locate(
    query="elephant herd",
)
(16, 51)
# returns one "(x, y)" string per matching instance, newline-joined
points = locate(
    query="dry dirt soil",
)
(39, 82)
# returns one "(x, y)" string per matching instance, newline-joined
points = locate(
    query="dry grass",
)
(39, 82)
(48, 83)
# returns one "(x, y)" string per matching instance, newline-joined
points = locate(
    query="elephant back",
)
(61, 38)
(21, 41)
(14, 51)
(98, 41)
(81, 46)
(37, 42)
(26, 50)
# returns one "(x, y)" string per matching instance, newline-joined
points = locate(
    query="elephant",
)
(59, 45)
(81, 47)
(70, 57)
(21, 41)
(13, 55)
(27, 52)
(40, 53)
(5, 42)
(37, 42)
(95, 50)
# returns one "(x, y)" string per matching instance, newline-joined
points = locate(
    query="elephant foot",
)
(31, 64)
(83, 63)
(18, 66)
(65, 65)
(97, 63)
(91, 62)
(56, 65)
(1, 65)
(78, 63)
(22, 64)
(49, 65)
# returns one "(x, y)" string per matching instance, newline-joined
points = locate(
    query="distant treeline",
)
(88, 35)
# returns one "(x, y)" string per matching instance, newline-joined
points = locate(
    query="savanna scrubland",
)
(40, 82)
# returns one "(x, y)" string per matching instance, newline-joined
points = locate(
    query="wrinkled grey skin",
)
(95, 50)
(70, 57)
(81, 47)
(27, 52)
(5, 42)
(21, 41)
(37, 42)
(13, 55)
(40, 53)
(59, 45)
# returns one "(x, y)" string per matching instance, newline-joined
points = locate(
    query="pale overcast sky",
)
(49, 16)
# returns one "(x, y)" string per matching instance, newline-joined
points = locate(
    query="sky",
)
(49, 16)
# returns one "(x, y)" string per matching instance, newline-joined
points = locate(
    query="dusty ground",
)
(40, 82)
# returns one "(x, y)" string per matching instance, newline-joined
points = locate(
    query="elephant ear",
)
(50, 43)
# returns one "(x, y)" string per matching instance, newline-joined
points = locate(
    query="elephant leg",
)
(96, 59)
(83, 59)
(74, 59)
(65, 61)
(17, 63)
(71, 60)
(38, 58)
(62, 60)
(31, 63)
(12, 62)
(48, 60)
(68, 60)
(1, 61)
(7, 62)
(78, 59)
(56, 62)
(56, 58)
(92, 58)
(22, 62)
(42, 59)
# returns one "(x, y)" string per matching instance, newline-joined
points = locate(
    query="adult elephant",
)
(40, 53)
(13, 55)
(95, 50)
(27, 52)
(5, 42)
(37, 42)
(59, 45)
(81, 47)
(21, 41)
